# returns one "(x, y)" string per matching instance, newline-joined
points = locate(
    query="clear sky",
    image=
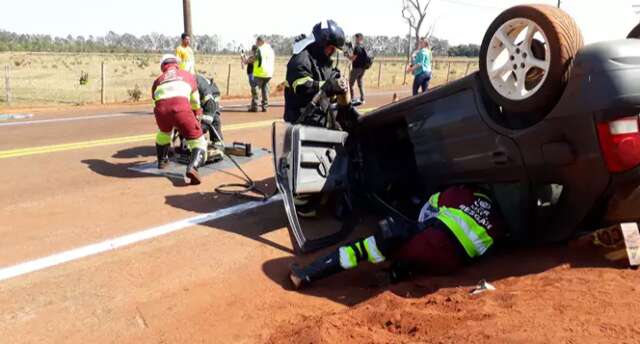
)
(459, 21)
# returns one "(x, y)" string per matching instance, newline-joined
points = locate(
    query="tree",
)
(415, 13)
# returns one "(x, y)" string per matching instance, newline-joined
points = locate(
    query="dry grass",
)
(54, 78)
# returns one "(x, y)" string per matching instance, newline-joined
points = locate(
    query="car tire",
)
(635, 33)
(542, 74)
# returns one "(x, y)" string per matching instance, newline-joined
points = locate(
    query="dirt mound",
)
(567, 303)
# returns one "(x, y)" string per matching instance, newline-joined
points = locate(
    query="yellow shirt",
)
(187, 59)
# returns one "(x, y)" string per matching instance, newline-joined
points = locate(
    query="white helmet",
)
(168, 58)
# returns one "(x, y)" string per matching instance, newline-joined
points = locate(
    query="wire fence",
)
(59, 78)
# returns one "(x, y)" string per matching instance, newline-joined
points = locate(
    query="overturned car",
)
(549, 126)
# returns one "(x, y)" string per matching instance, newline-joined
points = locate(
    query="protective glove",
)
(335, 86)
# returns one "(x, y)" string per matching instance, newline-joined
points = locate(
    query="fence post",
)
(379, 74)
(102, 83)
(404, 81)
(466, 72)
(7, 82)
(228, 78)
(448, 71)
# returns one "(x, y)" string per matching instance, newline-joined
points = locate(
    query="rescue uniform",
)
(210, 102)
(177, 103)
(455, 227)
(305, 76)
(263, 68)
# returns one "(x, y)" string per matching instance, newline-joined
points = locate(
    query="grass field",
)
(54, 78)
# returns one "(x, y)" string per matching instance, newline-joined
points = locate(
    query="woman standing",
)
(421, 67)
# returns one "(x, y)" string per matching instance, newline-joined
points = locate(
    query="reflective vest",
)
(178, 87)
(187, 59)
(469, 220)
(264, 67)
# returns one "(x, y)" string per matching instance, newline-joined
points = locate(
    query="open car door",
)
(312, 162)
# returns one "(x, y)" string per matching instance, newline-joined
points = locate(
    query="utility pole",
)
(186, 12)
(559, 2)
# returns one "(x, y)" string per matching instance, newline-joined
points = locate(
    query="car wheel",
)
(526, 57)
(635, 33)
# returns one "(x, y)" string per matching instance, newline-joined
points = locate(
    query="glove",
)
(334, 87)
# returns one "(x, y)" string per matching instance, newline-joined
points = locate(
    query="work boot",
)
(196, 160)
(319, 269)
(253, 109)
(162, 152)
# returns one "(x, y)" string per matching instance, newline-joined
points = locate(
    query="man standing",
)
(186, 55)
(454, 228)
(421, 67)
(263, 67)
(176, 105)
(310, 71)
(360, 62)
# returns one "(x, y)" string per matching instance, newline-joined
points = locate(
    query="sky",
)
(459, 21)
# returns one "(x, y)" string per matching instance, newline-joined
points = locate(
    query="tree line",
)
(209, 44)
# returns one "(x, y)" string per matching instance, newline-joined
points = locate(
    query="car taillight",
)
(620, 143)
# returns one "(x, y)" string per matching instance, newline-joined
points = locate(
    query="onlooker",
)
(360, 62)
(263, 67)
(421, 67)
(249, 60)
(186, 55)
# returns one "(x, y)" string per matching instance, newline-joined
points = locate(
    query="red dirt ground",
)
(225, 281)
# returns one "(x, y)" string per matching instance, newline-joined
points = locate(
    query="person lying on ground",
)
(454, 228)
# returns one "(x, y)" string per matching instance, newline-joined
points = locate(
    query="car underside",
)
(556, 162)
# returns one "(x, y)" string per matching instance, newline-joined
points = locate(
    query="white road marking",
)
(129, 239)
(68, 119)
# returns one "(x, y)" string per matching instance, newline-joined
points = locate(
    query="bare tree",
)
(415, 13)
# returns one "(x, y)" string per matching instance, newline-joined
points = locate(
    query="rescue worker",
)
(210, 103)
(309, 71)
(177, 105)
(454, 227)
(311, 67)
(263, 67)
(186, 55)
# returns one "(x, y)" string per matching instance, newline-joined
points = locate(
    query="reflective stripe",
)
(195, 100)
(172, 89)
(197, 143)
(429, 210)
(473, 237)
(481, 195)
(301, 81)
(163, 138)
(374, 254)
(207, 98)
(348, 258)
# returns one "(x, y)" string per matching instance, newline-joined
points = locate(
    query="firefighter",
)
(210, 103)
(177, 104)
(454, 228)
(309, 71)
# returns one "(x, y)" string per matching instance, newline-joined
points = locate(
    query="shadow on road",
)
(253, 224)
(353, 287)
(136, 152)
(123, 170)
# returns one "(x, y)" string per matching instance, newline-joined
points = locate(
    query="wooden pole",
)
(404, 81)
(102, 83)
(379, 74)
(186, 12)
(228, 78)
(7, 83)
(448, 71)
(466, 72)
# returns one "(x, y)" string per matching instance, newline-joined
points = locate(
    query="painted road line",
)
(13, 153)
(126, 240)
(68, 119)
